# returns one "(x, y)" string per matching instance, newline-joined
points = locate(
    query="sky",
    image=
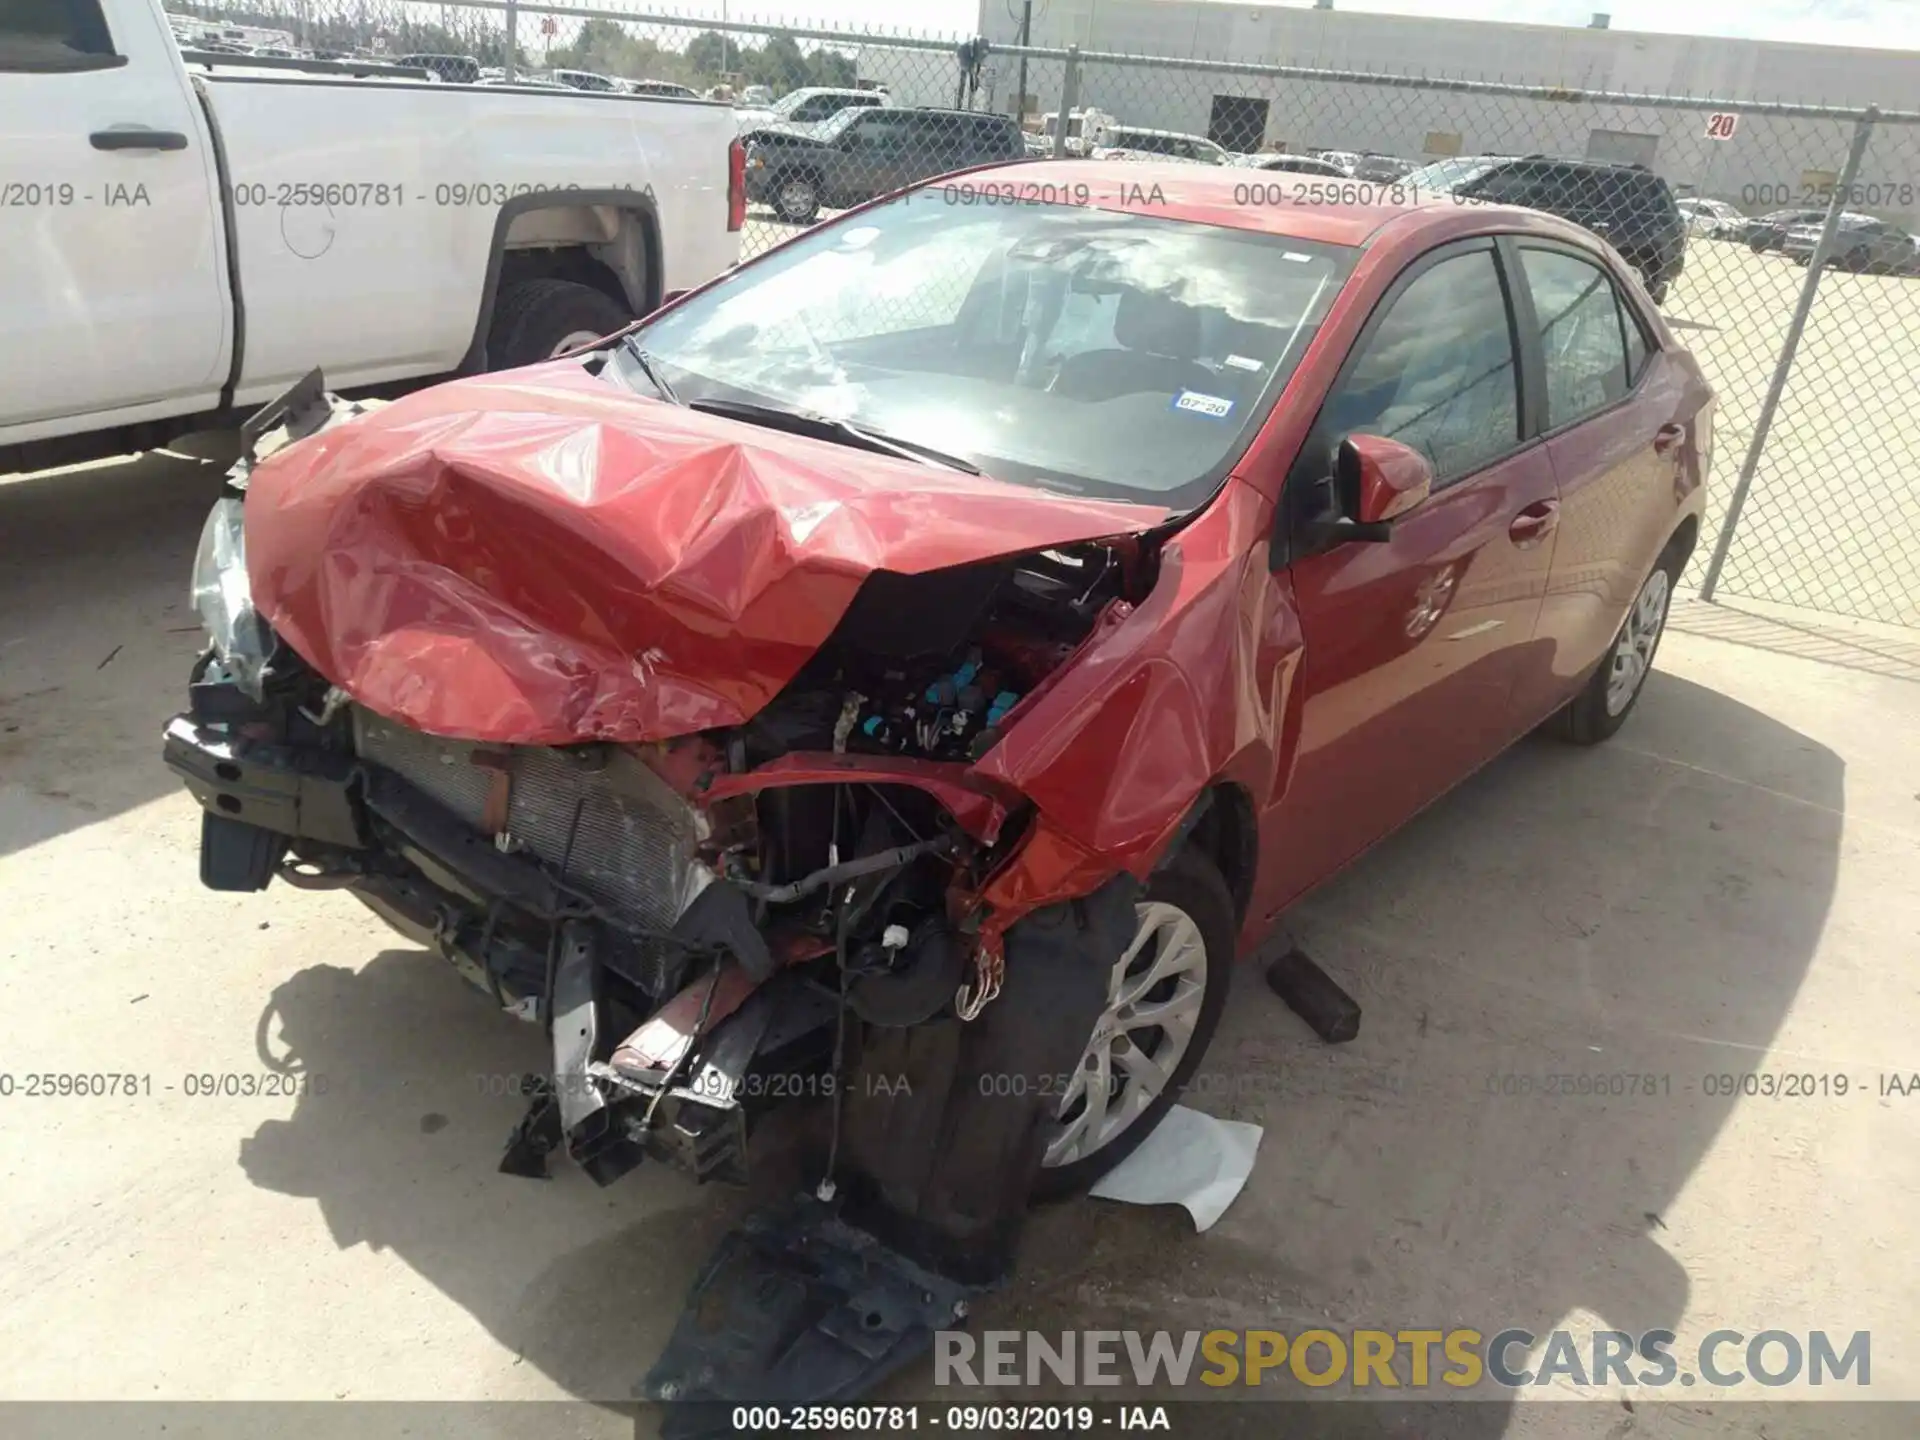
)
(1883, 24)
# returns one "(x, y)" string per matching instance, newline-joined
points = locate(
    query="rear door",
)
(112, 268)
(1616, 416)
(1412, 645)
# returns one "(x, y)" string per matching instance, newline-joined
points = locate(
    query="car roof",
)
(1206, 195)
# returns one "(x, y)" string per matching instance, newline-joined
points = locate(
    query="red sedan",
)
(933, 649)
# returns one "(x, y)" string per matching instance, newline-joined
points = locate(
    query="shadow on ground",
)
(1646, 909)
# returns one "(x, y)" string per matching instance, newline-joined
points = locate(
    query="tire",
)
(1759, 247)
(1188, 887)
(1596, 713)
(535, 320)
(796, 198)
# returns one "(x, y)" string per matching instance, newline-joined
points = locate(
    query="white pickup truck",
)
(182, 238)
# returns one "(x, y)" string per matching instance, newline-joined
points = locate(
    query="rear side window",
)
(54, 35)
(1581, 334)
(1437, 373)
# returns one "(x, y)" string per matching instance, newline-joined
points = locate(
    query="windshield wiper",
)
(827, 428)
(649, 369)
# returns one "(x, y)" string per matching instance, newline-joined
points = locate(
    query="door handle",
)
(1667, 439)
(137, 137)
(1534, 524)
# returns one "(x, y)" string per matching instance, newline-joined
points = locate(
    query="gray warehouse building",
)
(1764, 163)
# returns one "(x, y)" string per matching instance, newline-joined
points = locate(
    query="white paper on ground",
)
(1191, 1159)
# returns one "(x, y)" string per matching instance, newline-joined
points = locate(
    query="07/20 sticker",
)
(1216, 407)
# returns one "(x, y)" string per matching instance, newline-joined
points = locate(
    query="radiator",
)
(633, 849)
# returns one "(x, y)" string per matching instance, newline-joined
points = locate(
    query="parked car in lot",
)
(1628, 205)
(204, 233)
(934, 651)
(1860, 243)
(1132, 142)
(671, 88)
(1715, 219)
(810, 105)
(862, 153)
(1347, 160)
(587, 80)
(1769, 232)
(1294, 164)
(454, 69)
(1382, 169)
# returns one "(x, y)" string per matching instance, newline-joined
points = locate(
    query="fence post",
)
(1069, 97)
(1862, 132)
(513, 39)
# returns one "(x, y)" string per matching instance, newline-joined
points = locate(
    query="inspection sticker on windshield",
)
(1244, 362)
(1217, 407)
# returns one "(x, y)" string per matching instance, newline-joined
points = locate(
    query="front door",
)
(1412, 645)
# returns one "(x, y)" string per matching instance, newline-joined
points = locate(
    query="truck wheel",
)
(796, 199)
(536, 320)
(1164, 1003)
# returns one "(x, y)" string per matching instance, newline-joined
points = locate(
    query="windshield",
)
(1447, 174)
(1074, 349)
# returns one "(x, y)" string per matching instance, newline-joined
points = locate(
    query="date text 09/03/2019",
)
(960, 1419)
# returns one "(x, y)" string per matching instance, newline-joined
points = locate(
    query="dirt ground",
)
(1727, 888)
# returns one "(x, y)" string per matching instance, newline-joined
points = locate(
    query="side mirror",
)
(1387, 478)
(1374, 482)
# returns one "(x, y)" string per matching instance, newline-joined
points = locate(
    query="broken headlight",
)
(224, 599)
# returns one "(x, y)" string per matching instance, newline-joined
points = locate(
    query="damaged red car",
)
(904, 673)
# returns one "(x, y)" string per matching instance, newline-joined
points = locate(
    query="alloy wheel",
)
(1154, 997)
(1633, 651)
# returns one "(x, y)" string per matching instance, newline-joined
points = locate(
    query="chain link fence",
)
(1777, 239)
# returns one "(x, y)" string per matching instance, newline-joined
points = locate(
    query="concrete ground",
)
(1727, 888)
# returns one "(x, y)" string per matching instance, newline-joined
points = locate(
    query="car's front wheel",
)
(796, 199)
(1164, 999)
(1609, 696)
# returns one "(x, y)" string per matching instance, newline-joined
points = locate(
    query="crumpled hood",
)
(541, 557)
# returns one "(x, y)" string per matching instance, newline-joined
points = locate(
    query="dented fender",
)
(1192, 687)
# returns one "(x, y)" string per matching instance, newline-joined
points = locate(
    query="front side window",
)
(54, 35)
(1580, 335)
(1437, 373)
(1066, 347)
